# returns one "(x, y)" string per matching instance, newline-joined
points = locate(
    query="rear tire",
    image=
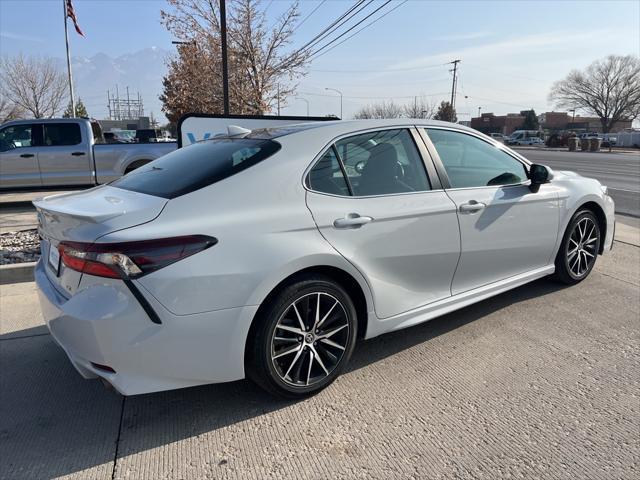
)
(579, 248)
(296, 349)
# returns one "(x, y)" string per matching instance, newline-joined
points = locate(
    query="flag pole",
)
(66, 39)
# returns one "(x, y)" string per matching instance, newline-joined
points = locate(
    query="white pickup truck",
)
(66, 152)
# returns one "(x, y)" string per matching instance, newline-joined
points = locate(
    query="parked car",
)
(499, 137)
(519, 135)
(66, 152)
(267, 253)
(528, 141)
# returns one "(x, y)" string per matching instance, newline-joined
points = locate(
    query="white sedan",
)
(267, 253)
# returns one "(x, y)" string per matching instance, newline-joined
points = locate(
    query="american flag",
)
(72, 15)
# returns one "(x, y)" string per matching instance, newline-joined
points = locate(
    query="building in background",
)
(563, 121)
(550, 122)
(505, 124)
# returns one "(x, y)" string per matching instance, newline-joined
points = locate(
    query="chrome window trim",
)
(500, 146)
(331, 144)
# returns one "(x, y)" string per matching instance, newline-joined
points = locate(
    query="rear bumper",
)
(104, 324)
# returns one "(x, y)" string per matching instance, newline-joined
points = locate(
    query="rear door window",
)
(61, 134)
(327, 177)
(197, 166)
(383, 163)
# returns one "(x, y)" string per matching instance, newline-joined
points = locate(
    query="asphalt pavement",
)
(618, 171)
(541, 382)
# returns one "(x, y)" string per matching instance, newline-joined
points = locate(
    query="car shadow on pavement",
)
(54, 423)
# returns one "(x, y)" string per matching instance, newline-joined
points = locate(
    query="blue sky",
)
(511, 52)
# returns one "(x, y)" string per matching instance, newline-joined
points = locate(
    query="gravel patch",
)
(19, 247)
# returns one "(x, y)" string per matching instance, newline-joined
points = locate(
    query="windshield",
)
(194, 167)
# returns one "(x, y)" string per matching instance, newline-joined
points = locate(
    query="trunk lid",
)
(84, 217)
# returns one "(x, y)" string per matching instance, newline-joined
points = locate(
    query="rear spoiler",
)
(194, 127)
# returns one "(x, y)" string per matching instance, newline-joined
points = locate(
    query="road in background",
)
(618, 171)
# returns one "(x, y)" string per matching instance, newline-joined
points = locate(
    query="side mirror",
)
(539, 174)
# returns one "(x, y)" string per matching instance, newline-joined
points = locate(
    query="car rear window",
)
(196, 166)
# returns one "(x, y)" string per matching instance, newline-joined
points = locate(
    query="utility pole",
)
(453, 87)
(66, 40)
(225, 71)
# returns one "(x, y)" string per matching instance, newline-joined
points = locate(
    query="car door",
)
(63, 157)
(18, 156)
(505, 228)
(373, 201)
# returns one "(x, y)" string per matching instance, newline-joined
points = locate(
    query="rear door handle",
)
(351, 220)
(77, 154)
(27, 155)
(471, 207)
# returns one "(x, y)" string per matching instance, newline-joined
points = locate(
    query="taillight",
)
(130, 259)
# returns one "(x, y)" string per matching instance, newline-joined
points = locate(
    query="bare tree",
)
(383, 109)
(420, 108)
(9, 110)
(258, 61)
(34, 84)
(608, 88)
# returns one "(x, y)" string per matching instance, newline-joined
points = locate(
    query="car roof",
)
(341, 127)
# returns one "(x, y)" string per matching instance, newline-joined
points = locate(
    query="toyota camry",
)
(268, 253)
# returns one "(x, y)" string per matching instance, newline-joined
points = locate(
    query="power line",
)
(499, 102)
(348, 30)
(307, 17)
(367, 25)
(390, 70)
(376, 97)
(327, 30)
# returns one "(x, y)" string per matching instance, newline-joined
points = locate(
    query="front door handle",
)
(351, 220)
(472, 206)
(27, 155)
(77, 154)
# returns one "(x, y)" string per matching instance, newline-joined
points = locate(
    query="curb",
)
(17, 273)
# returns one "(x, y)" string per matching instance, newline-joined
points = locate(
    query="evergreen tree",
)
(446, 113)
(81, 110)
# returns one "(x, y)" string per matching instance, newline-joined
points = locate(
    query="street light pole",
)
(340, 93)
(479, 108)
(305, 101)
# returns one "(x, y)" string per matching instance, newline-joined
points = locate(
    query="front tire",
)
(579, 249)
(303, 338)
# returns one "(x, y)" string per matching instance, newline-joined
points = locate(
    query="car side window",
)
(61, 134)
(383, 163)
(16, 136)
(472, 162)
(326, 176)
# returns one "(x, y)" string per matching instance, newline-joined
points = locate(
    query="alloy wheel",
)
(310, 339)
(582, 247)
